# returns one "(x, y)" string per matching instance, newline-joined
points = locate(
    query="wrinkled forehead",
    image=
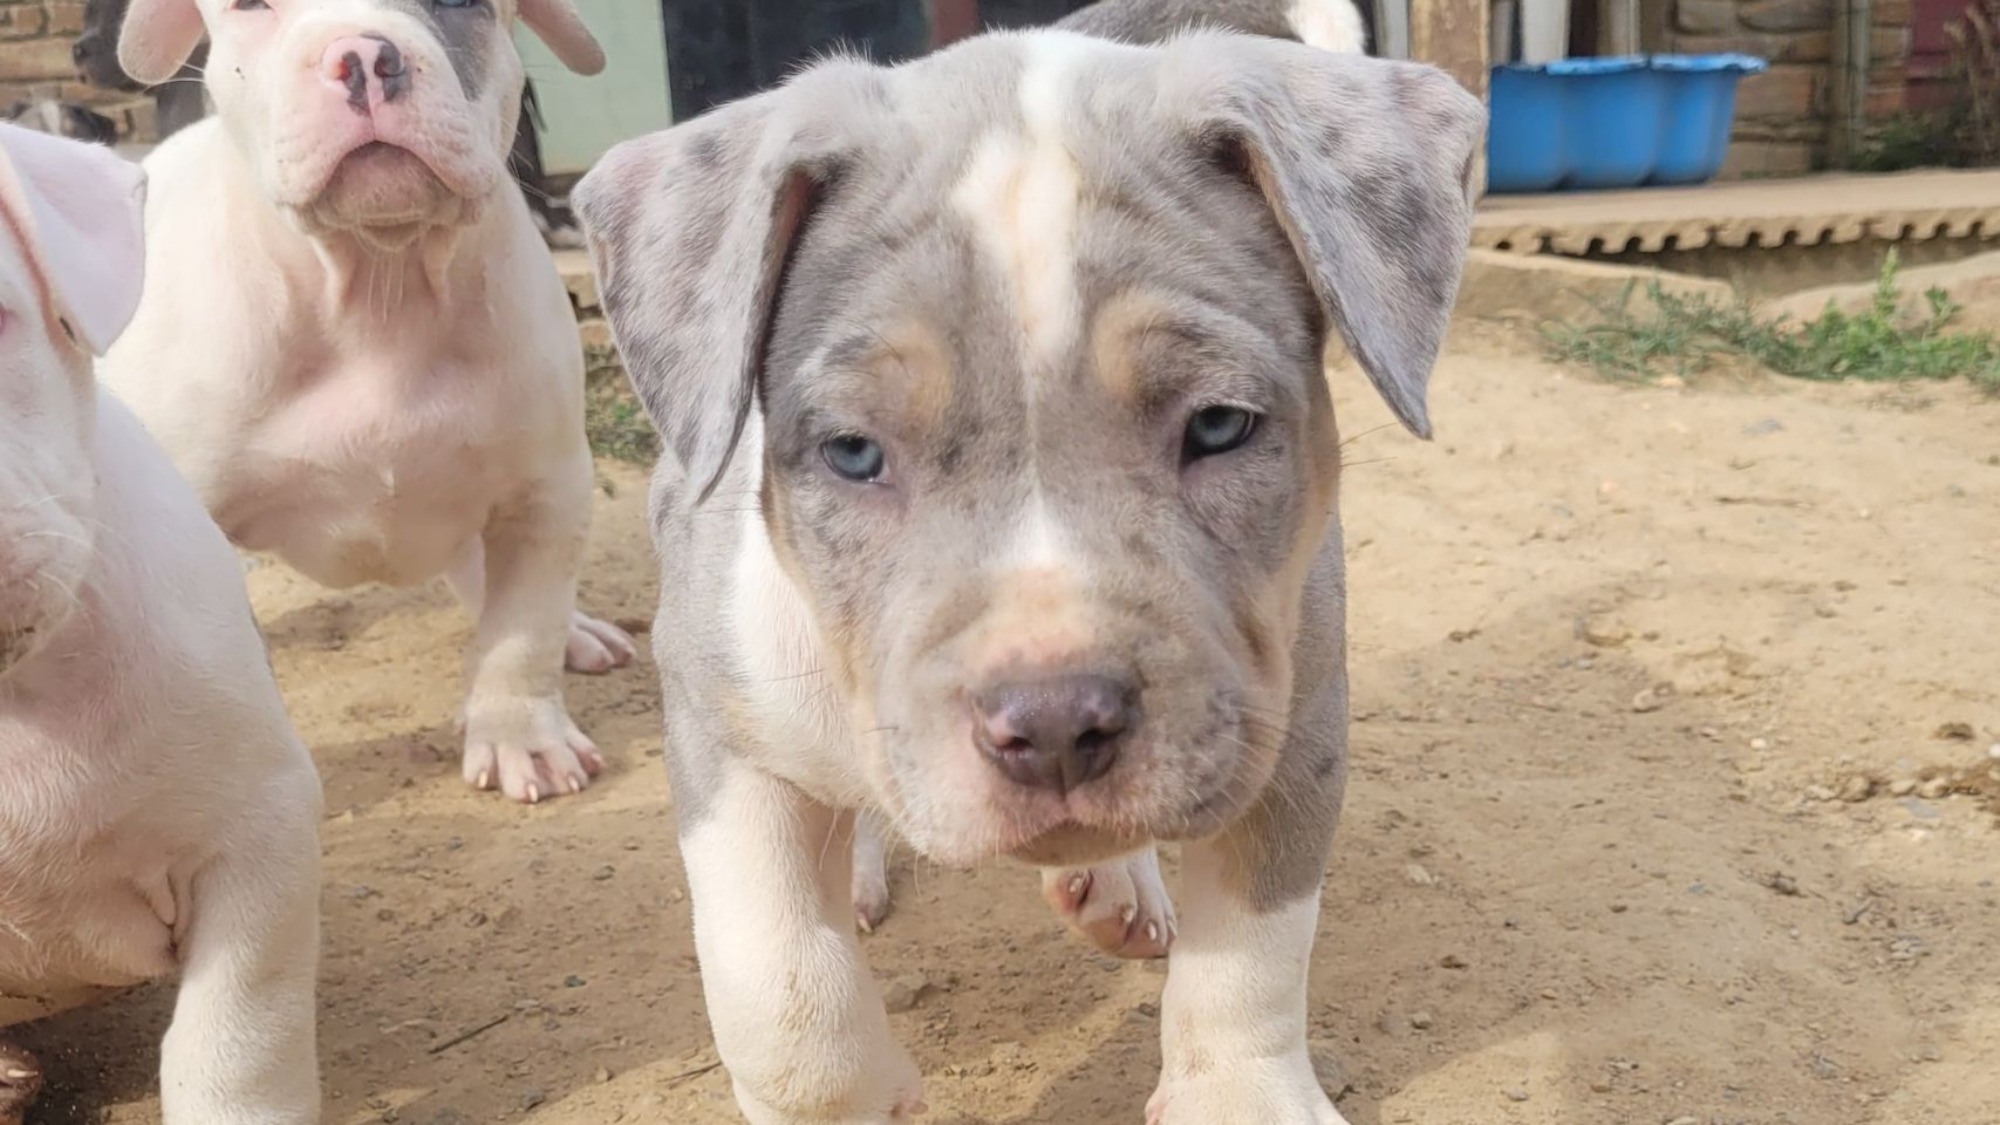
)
(1020, 202)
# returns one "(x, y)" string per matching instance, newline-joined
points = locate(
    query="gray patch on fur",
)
(465, 33)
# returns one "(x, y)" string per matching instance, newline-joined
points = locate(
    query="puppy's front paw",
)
(527, 748)
(897, 1100)
(20, 1082)
(1123, 906)
(596, 647)
(1232, 1092)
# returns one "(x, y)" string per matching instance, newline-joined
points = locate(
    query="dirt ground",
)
(1672, 710)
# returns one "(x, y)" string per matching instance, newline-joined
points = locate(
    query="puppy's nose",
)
(365, 68)
(1058, 733)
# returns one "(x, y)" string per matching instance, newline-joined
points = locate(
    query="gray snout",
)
(1058, 733)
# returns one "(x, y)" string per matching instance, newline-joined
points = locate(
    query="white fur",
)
(1331, 25)
(793, 1006)
(1021, 195)
(1233, 1019)
(174, 768)
(376, 408)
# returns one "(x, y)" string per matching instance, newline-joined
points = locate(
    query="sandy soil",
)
(1654, 817)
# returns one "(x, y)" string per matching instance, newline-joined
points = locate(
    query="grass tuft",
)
(1676, 334)
(617, 425)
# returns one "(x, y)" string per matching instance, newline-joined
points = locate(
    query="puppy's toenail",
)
(1077, 883)
(1127, 913)
(485, 780)
(1153, 932)
(534, 795)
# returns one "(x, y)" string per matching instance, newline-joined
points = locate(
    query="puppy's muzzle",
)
(1057, 733)
(367, 70)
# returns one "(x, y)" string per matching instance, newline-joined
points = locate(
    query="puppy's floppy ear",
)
(689, 231)
(1367, 165)
(158, 38)
(558, 25)
(79, 210)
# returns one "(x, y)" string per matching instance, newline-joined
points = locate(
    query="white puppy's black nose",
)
(367, 68)
(1057, 733)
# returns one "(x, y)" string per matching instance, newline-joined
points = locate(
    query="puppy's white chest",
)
(373, 472)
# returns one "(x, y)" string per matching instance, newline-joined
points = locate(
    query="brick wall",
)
(1783, 115)
(35, 38)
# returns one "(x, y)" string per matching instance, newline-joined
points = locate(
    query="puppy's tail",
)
(1331, 25)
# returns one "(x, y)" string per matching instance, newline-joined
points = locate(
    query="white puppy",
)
(354, 342)
(158, 814)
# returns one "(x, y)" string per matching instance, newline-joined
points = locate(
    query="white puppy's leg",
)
(1122, 907)
(1233, 1020)
(594, 647)
(871, 873)
(20, 1081)
(241, 1050)
(797, 1017)
(518, 733)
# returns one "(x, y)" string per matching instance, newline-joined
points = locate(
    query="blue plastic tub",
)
(1612, 122)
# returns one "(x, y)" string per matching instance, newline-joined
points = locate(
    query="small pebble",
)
(905, 993)
(573, 981)
(1857, 789)
(1685, 1121)
(1993, 752)
(1933, 789)
(1453, 961)
(1760, 744)
(1648, 701)
(1902, 787)
(1517, 1094)
(1422, 1021)
(531, 1098)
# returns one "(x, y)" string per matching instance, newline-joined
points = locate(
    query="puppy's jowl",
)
(158, 815)
(354, 344)
(1001, 503)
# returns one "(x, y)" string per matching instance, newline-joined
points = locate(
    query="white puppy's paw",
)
(1122, 907)
(898, 1099)
(20, 1081)
(527, 748)
(596, 647)
(870, 883)
(1235, 1092)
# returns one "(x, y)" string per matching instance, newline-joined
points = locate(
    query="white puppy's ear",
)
(80, 212)
(689, 231)
(558, 25)
(158, 37)
(1367, 165)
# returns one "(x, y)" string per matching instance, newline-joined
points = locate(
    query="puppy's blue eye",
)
(250, 6)
(856, 458)
(455, 3)
(1217, 429)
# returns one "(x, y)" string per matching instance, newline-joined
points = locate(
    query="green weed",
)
(617, 426)
(1683, 334)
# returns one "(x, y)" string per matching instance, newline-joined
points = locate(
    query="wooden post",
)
(1454, 36)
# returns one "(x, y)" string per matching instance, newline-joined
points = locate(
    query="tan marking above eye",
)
(1117, 335)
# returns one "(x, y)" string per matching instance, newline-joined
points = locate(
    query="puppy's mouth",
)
(387, 193)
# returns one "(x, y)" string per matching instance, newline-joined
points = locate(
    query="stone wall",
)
(35, 38)
(1783, 115)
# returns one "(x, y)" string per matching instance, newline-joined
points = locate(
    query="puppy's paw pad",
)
(1121, 907)
(596, 647)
